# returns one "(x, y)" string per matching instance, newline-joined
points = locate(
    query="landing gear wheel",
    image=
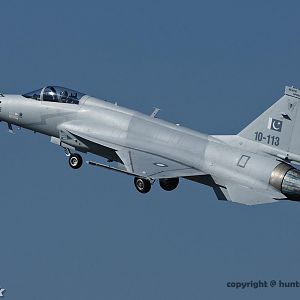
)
(142, 185)
(75, 161)
(168, 184)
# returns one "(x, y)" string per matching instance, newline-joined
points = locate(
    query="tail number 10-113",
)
(269, 139)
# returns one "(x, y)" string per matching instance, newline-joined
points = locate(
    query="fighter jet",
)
(252, 167)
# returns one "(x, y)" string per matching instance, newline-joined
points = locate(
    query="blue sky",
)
(209, 65)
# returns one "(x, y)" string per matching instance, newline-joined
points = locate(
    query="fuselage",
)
(252, 167)
(117, 125)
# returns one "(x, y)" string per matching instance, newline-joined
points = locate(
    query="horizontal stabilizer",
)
(244, 195)
(237, 193)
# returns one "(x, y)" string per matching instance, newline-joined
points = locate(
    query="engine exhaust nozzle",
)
(286, 179)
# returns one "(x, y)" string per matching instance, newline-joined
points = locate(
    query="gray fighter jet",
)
(252, 167)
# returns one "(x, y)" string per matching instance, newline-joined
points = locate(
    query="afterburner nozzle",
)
(286, 179)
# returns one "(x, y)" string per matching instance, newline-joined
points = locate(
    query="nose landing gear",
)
(75, 161)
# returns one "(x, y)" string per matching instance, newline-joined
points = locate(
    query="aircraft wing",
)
(144, 164)
(140, 163)
(153, 166)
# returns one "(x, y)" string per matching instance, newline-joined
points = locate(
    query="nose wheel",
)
(142, 185)
(75, 161)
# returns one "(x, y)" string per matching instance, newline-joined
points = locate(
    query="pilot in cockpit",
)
(63, 96)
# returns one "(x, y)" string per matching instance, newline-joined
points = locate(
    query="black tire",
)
(169, 184)
(75, 161)
(142, 185)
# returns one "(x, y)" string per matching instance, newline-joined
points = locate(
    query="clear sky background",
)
(88, 234)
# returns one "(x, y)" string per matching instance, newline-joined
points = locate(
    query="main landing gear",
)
(169, 184)
(143, 185)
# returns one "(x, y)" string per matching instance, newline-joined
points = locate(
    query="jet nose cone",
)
(1, 113)
(1, 98)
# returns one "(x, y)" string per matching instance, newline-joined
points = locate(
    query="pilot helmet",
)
(64, 93)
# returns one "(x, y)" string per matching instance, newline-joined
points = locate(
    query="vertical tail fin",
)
(279, 126)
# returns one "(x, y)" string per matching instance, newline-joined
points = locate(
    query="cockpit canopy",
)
(55, 94)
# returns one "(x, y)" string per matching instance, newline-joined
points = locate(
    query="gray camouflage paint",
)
(234, 164)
